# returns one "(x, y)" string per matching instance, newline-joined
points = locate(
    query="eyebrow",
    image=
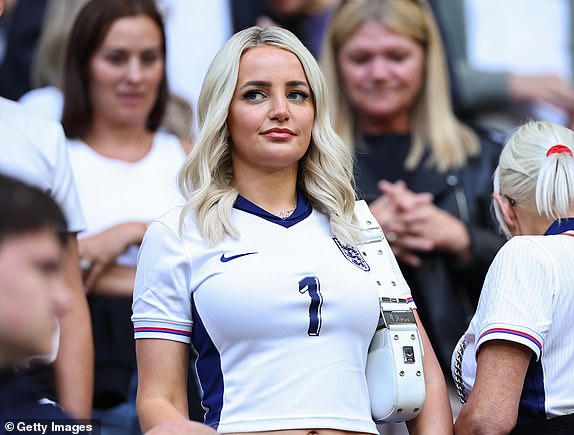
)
(265, 84)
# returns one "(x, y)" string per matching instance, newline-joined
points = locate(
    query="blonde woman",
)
(426, 176)
(513, 365)
(252, 271)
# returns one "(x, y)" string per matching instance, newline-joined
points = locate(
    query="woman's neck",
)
(130, 143)
(374, 126)
(275, 192)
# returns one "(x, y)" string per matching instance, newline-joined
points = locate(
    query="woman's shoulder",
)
(529, 249)
(166, 140)
(170, 220)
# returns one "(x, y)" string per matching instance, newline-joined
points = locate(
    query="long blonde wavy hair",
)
(325, 171)
(433, 123)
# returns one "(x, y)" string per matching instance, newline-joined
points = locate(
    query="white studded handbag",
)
(394, 369)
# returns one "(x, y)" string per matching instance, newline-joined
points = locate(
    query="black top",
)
(20, 399)
(445, 290)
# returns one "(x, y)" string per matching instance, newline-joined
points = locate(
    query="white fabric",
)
(114, 191)
(46, 102)
(521, 36)
(33, 150)
(260, 365)
(528, 298)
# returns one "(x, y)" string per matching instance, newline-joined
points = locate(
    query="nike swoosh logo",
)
(225, 259)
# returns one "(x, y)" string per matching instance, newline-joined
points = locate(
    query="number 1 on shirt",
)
(310, 285)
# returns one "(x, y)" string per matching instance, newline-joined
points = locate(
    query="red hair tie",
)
(557, 149)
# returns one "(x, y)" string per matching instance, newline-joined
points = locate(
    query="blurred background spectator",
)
(115, 94)
(426, 176)
(33, 294)
(47, 71)
(33, 150)
(194, 32)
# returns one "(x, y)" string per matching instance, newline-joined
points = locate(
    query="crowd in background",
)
(425, 92)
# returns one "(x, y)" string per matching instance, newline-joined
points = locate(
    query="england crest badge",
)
(353, 255)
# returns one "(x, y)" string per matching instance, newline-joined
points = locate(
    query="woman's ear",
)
(508, 213)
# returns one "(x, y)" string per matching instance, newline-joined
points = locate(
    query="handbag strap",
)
(377, 252)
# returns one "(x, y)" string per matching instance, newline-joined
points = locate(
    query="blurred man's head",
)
(32, 285)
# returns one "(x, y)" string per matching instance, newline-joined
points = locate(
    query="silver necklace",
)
(284, 214)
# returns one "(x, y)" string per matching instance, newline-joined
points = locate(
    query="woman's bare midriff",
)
(302, 432)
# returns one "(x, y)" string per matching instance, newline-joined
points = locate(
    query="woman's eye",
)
(253, 95)
(360, 59)
(150, 58)
(298, 95)
(116, 58)
(398, 57)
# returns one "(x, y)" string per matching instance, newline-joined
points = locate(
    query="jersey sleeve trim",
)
(163, 330)
(500, 332)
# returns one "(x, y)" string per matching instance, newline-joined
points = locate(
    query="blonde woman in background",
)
(426, 176)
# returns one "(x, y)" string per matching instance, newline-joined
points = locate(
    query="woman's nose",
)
(134, 70)
(379, 68)
(279, 109)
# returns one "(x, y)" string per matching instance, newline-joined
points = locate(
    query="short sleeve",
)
(162, 298)
(516, 303)
(63, 185)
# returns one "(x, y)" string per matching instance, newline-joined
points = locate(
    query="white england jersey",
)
(528, 298)
(281, 319)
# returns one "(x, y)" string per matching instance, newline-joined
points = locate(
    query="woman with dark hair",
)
(115, 93)
(86, 38)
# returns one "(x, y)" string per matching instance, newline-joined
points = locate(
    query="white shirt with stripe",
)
(528, 298)
(281, 319)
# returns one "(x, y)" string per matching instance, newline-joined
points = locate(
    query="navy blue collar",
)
(559, 227)
(302, 210)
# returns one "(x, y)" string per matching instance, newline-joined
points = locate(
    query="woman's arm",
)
(492, 406)
(73, 368)
(103, 248)
(162, 381)
(435, 417)
(115, 280)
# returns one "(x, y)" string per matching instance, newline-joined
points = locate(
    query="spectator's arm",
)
(492, 406)
(74, 366)
(115, 280)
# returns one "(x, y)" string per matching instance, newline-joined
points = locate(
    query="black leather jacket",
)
(445, 290)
